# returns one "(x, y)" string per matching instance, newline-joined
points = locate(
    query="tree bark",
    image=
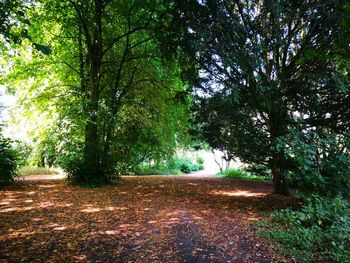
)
(279, 181)
(278, 128)
(92, 146)
(220, 166)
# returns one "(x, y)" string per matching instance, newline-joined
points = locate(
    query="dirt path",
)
(203, 173)
(59, 176)
(144, 219)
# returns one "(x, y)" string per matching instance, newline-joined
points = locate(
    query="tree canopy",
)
(110, 99)
(105, 88)
(267, 82)
(265, 68)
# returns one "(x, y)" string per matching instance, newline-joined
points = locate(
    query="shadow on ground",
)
(143, 219)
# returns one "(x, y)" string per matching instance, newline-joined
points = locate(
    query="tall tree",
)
(105, 66)
(264, 67)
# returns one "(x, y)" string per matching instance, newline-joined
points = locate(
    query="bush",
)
(185, 165)
(240, 174)
(8, 161)
(200, 160)
(24, 150)
(79, 174)
(319, 231)
(175, 166)
(233, 173)
(321, 161)
(142, 170)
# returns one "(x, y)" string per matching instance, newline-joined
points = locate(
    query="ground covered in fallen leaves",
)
(142, 219)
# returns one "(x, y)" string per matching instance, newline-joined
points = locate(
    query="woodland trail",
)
(143, 219)
(202, 173)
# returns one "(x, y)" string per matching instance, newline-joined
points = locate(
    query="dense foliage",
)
(318, 232)
(271, 87)
(173, 166)
(104, 87)
(243, 174)
(14, 25)
(8, 161)
(106, 100)
(322, 161)
(264, 67)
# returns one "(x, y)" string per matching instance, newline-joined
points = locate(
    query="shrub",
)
(173, 166)
(78, 173)
(8, 161)
(321, 161)
(141, 170)
(319, 231)
(241, 174)
(200, 160)
(185, 165)
(24, 150)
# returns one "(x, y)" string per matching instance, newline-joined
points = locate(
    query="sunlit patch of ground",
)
(237, 193)
(144, 219)
(50, 177)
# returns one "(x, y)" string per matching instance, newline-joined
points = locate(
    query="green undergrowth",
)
(8, 161)
(240, 174)
(319, 231)
(175, 166)
(25, 171)
(156, 171)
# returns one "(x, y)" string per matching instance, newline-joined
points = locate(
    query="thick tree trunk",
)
(279, 181)
(91, 128)
(278, 128)
(91, 132)
(91, 154)
(92, 142)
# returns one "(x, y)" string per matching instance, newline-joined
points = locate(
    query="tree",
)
(264, 67)
(112, 96)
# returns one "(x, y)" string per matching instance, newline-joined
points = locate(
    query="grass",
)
(239, 174)
(25, 171)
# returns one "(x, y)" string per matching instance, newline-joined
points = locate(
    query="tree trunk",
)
(92, 142)
(278, 128)
(279, 181)
(91, 128)
(220, 166)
